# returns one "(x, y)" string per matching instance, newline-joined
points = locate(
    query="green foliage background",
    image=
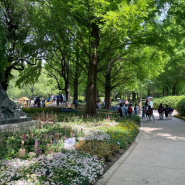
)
(171, 101)
(181, 107)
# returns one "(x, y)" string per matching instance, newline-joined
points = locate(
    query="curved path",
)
(157, 159)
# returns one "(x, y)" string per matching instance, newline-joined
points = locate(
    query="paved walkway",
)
(158, 158)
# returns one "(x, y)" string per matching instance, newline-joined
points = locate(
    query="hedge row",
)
(181, 107)
(169, 100)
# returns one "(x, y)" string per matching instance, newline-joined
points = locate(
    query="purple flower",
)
(37, 151)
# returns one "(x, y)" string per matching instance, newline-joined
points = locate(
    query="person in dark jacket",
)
(150, 113)
(166, 111)
(160, 111)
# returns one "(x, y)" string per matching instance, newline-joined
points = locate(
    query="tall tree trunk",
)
(92, 71)
(4, 78)
(67, 94)
(174, 89)
(163, 91)
(107, 89)
(67, 86)
(75, 94)
(133, 96)
(124, 96)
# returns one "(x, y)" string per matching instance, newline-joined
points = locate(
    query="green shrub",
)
(36, 109)
(171, 101)
(181, 107)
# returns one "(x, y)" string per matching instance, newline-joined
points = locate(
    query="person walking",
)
(58, 99)
(120, 109)
(130, 111)
(146, 104)
(170, 112)
(166, 111)
(150, 103)
(150, 113)
(38, 102)
(126, 110)
(120, 101)
(160, 111)
(61, 99)
(43, 104)
(136, 109)
(143, 112)
(75, 103)
(123, 109)
(126, 102)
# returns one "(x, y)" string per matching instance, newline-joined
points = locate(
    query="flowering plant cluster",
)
(60, 168)
(41, 140)
(124, 133)
(179, 116)
(37, 156)
(97, 135)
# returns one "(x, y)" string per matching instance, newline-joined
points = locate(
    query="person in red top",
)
(130, 111)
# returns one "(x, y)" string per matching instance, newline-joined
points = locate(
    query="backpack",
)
(129, 110)
(167, 111)
(149, 111)
(160, 111)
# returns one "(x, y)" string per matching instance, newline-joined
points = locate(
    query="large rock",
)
(9, 109)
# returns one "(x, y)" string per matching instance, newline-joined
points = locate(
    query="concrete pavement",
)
(157, 159)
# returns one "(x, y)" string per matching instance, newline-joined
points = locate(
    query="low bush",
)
(102, 150)
(36, 109)
(181, 107)
(171, 101)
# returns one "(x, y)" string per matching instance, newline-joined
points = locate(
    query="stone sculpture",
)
(9, 109)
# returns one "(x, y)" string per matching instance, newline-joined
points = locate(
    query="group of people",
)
(125, 109)
(167, 111)
(39, 102)
(59, 99)
(147, 111)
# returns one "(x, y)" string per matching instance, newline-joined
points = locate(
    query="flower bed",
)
(179, 116)
(58, 168)
(38, 157)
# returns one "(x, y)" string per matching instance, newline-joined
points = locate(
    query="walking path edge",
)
(115, 166)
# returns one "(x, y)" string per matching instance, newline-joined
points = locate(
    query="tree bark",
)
(124, 96)
(107, 89)
(4, 78)
(163, 91)
(67, 85)
(92, 71)
(75, 94)
(174, 89)
(133, 96)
